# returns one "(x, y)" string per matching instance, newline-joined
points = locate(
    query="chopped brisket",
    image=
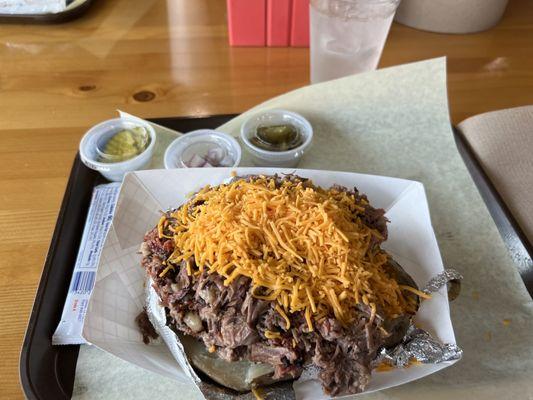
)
(145, 327)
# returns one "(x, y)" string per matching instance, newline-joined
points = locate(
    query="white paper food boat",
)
(119, 292)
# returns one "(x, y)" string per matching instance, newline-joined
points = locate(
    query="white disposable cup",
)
(266, 158)
(451, 16)
(115, 171)
(347, 36)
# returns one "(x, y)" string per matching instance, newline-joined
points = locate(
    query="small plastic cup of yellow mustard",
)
(118, 146)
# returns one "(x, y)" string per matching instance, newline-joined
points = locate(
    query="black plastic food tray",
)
(47, 372)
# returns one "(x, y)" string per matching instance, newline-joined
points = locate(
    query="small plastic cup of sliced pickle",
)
(118, 146)
(276, 138)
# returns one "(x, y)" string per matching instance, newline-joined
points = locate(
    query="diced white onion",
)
(193, 321)
(144, 249)
(215, 155)
(196, 162)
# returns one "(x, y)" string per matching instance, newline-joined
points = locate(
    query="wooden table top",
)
(156, 58)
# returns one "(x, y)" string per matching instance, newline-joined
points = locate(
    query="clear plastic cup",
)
(347, 36)
(267, 158)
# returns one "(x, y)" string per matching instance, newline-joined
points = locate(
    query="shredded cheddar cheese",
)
(384, 367)
(257, 394)
(164, 272)
(419, 293)
(272, 335)
(304, 248)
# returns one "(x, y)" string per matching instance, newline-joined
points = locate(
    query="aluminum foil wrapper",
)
(418, 344)
(449, 277)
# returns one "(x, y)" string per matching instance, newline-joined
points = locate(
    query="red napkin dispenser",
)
(247, 22)
(268, 22)
(300, 23)
(279, 22)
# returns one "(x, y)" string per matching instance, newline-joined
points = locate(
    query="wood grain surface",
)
(156, 58)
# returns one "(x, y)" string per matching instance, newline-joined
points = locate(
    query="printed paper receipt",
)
(98, 221)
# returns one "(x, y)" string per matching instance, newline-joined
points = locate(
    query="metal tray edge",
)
(520, 249)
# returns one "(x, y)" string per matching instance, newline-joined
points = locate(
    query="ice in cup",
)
(347, 36)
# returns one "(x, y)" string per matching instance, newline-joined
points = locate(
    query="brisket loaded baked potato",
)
(274, 274)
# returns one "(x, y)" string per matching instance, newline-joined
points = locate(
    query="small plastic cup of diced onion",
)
(204, 148)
